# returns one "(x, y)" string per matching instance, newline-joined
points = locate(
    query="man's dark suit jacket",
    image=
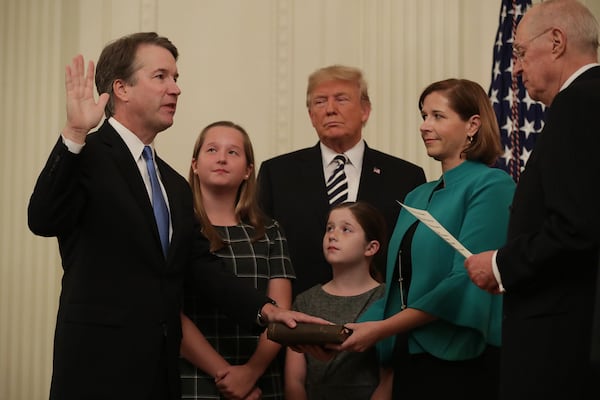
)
(550, 261)
(292, 191)
(120, 299)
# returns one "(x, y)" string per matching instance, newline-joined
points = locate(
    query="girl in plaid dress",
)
(223, 359)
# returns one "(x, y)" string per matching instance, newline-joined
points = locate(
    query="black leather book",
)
(305, 333)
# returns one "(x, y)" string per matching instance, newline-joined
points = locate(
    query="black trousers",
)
(427, 377)
(160, 389)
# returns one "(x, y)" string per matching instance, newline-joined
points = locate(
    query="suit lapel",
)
(370, 176)
(129, 171)
(313, 179)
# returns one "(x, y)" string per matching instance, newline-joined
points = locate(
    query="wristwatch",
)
(260, 321)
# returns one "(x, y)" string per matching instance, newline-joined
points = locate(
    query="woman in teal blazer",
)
(440, 331)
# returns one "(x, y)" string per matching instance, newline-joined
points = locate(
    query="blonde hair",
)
(338, 73)
(246, 207)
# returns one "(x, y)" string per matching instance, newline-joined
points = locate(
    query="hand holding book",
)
(307, 334)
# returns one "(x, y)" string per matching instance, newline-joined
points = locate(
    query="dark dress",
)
(255, 262)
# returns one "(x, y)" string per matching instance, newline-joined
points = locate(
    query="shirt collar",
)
(576, 74)
(133, 143)
(355, 154)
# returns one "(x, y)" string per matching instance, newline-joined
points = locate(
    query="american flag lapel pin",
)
(376, 170)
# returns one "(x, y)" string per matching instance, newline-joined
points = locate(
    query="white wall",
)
(244, 60)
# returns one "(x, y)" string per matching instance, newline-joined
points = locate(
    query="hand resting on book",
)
(307, 334)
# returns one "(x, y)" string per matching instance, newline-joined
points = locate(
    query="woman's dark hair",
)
(467, 98)
(373, 224)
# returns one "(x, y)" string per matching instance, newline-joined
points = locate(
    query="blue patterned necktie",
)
(337, 184)
(161, 212)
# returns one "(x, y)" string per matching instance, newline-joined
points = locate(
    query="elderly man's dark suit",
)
(120, 299)
(550, 261)
(292, 190)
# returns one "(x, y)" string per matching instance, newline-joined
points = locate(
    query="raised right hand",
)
(83, 112)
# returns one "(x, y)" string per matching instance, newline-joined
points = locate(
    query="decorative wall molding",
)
(149, 15)
(283, 68)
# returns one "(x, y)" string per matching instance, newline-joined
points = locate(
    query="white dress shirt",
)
(136, 147)
(352, 168)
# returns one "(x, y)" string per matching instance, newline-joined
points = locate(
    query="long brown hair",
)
(246, 207)
(467, 98)
(373, 224)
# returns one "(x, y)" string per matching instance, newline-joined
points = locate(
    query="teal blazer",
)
(473, 205)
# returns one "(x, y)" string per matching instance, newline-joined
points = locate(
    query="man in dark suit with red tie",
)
(293, 189)
(118, 328)
(547, 270)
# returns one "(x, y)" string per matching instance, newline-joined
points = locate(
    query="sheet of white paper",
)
(431, 222)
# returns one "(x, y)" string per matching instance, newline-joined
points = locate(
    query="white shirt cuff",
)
(71, 145)
(496, 272)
